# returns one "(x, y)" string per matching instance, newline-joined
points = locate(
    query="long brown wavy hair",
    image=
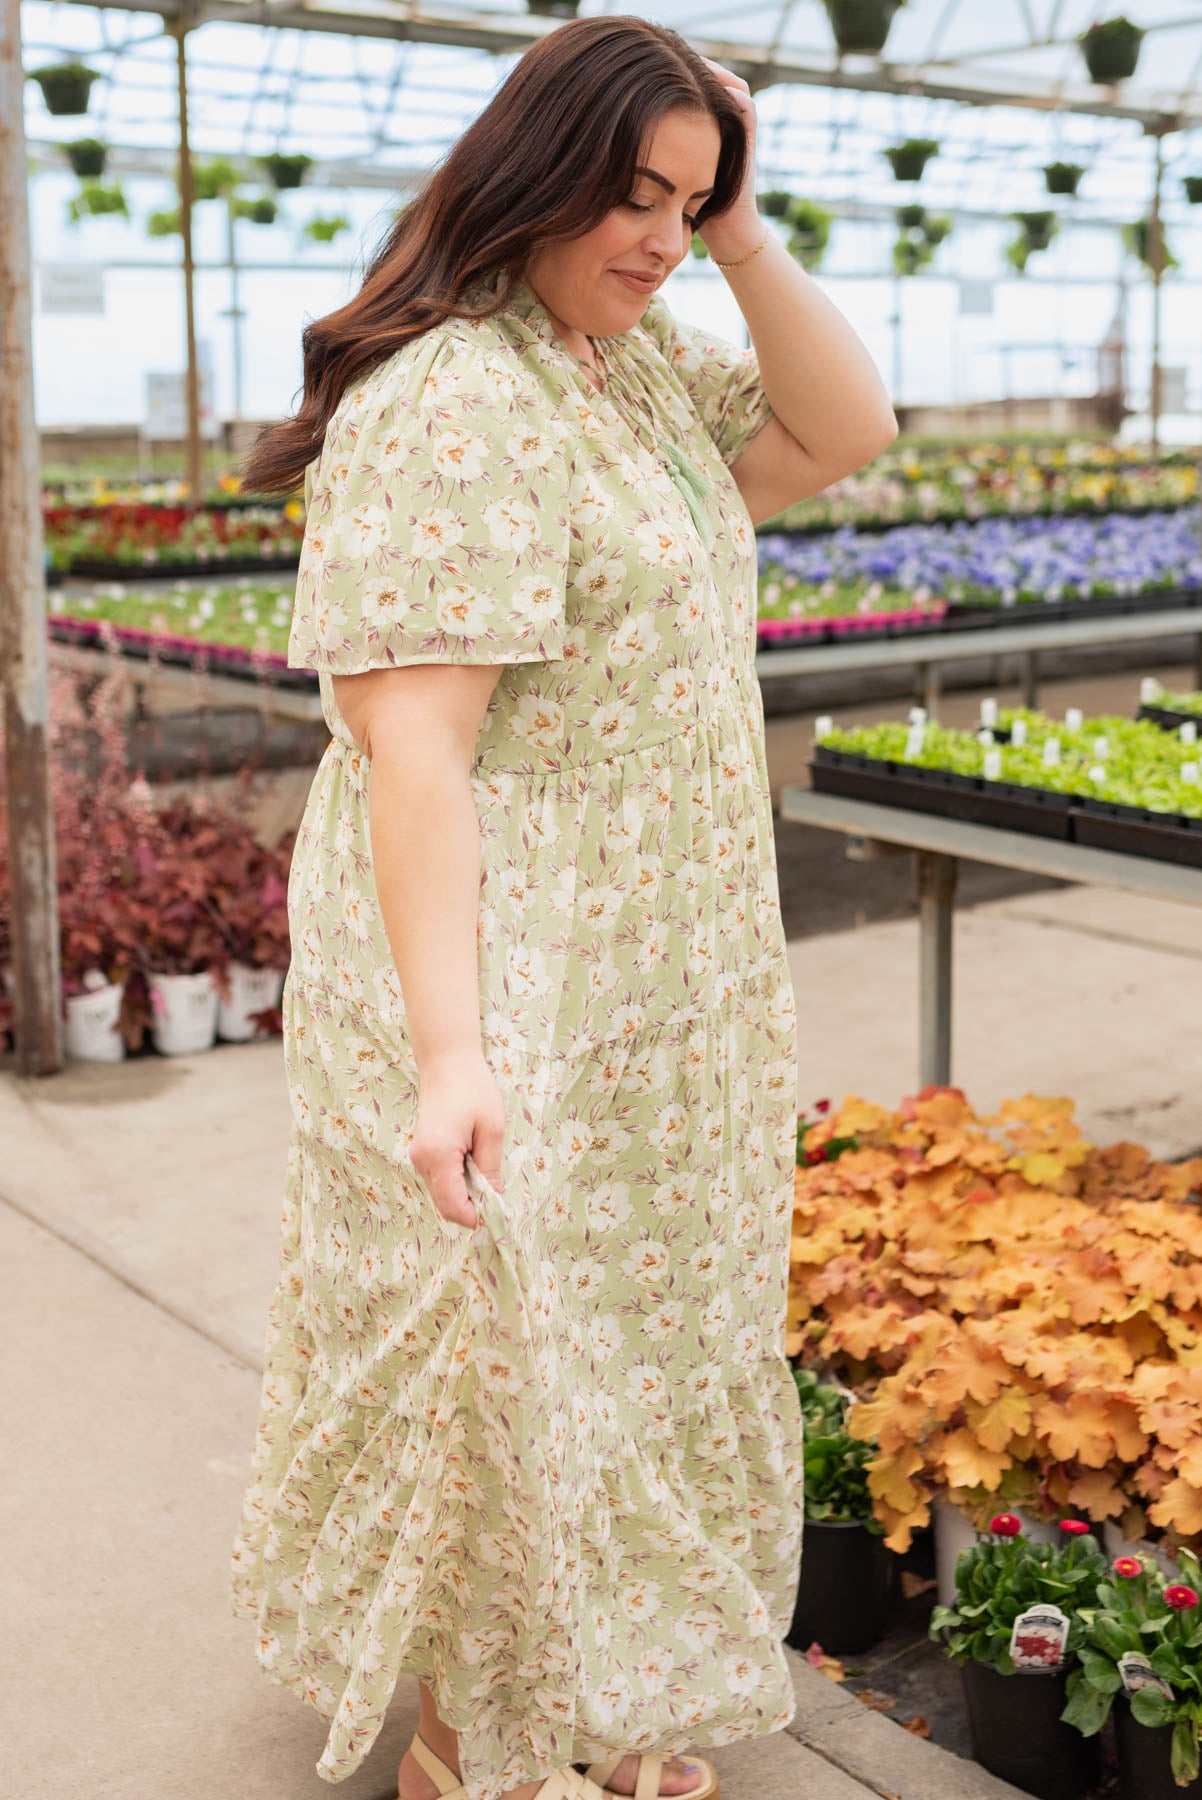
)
(552, 153)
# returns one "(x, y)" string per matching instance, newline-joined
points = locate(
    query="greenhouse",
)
(637, 1219)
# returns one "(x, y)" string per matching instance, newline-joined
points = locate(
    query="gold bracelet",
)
(749, 255)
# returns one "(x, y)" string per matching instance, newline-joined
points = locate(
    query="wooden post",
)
(195, 469)
(1156, 259)
(32, 862)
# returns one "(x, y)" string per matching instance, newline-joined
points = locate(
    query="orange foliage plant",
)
(1020, 1312)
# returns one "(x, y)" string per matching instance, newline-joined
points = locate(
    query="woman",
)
(528, 1432)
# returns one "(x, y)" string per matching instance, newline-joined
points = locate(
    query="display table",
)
(939, 845)
(927, 650)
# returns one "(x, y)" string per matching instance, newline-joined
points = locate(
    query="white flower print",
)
(437, 531)
(363, 529)
(460, 453)
(601, 579)
(385, 602)
(511, 525)
(537, 722)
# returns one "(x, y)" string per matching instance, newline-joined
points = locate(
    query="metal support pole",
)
(1156, 259)
(935, 875)
(1031, 679)
(929, 686)
(24, 672)
(195, 470)
(1198, 662)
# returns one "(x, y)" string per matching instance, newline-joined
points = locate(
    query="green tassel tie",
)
(696, 489)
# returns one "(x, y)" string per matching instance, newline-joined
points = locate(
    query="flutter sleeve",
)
(722, 382)
(438, 524)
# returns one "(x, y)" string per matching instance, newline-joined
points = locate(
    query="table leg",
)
(1198, 662)
(1031, 679)
(936, 882)
(928, 687)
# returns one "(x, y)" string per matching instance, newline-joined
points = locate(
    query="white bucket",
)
(185, 1013)
(954, 1532)
(251, 991)
(91, 1031)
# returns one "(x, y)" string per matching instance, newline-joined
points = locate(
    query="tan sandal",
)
(646, 1782)
(562, 1784)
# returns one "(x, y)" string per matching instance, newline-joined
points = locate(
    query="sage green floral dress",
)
(552, 1466)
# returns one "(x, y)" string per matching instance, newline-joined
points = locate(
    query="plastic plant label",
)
(823, 727)
(1189, 772)
(989, 712)
(918, 715)
(1149, 691)
(1101, 747)
(1189, 731)
(1039, 1639)
(993, 765)
(1097, 773)
(985, 737)
(1074, 718)
(1051, 753)
(1018, 733)
(1135, 1672)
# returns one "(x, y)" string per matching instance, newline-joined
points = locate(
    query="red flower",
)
(1180, 1598)
(822, 1106)
(1074, 1527)
(815, 1156)
(1128, 1566)
(1005, 1525)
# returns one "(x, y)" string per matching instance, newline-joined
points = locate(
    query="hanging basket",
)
(908, 160)
(1039, 228)
(775, 203)
(262, 211)
(1062, 177)
(912, 218)
(87, 156)
(1111, 50)
(66, 87)
(1193, 189)
(285, 171)
(554, 9)
(861, 27)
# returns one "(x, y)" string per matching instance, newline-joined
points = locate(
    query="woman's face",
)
(647, 234)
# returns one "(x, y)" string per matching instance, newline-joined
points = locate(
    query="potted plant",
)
(554, 9)
(912, 217)
(775, 203)
(1039, 228)
(1016, 1630)
(285, 171)
(181, 939)
(163, 224)
(94, 200)
(87, 156)
(1137, 238)
(325, 230)
(1193, 189)
(846, 1571)
(810, 233)
(1111, 49)
(909, 159)
(248, 890)
(66, 86)
(861, 27)
(262, 210)
(213, 180)
(1062, 177)
(1141, 1648)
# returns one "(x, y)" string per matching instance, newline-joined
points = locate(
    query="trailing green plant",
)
(835, 1463)
(214, 180)
(94, 199)
(66, 86)
(87, 157)
(1137, 238)
(1111, 49)
(911, 217)
(262, 210)
(1004, 1575)
(810, 231)
(1039, 228)
(1143, 1614)
(325, 230)
(774, 204)
(164, 223)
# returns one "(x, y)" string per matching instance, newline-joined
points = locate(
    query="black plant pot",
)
(1112, 59)
(1018, 1735)
(1144, 1769)
(65, 92)
(908, 165)
(861, 26)
(1062, 180)
(1193, 189)
(843, 1594)
(87, 159)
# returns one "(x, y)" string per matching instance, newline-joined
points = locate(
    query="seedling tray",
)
(1169, 720)
(962, 613)
(223, 659)
(857, 627)
(1133, 831)
(1003, 804)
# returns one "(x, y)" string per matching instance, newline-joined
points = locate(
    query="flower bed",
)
(1115, 783)
(977, 481)
(242, 630)
(1017, 1309)
(102, 540)
(987, 572)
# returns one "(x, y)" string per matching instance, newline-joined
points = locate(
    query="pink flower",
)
(822, 1106)
(1128, 1566)
(1005, 1525)
(1074, 1527)
(1180, 1598)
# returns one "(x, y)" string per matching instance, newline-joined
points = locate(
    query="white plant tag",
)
(1135, 1672)
(1051, 752)
(993, 765)
(918, 715)
(1018, 733)
(1074, 718)
(989, 712)
(823, 727)
(1189, 731)
(1039, 1638)
(1101, 747)
(1149, 691)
